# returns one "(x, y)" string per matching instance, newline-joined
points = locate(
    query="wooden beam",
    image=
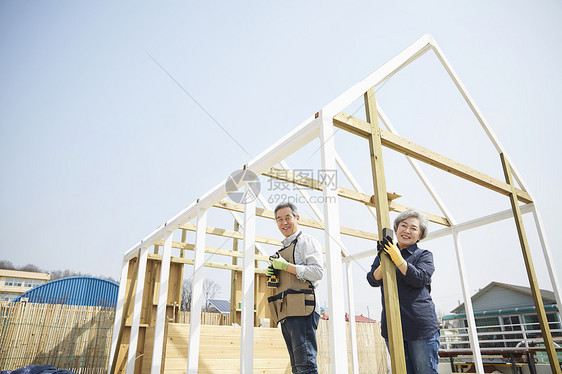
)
(352, 124)
(183, 240)
(535, 290)
(234, 276)
(315, 184)
(216, 251)
(408, 148)
(232, 234)
(349, 194)
(395, 207)
(210, 264)
(392, 305)
(126, 308)
(264, 213)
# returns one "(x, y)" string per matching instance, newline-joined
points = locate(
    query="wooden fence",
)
(78, 338)
(75, 338)
(206, 318)
(372, 355)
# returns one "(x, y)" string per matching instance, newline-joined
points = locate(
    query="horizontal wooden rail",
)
(408, 148)
(230, 234)
(289, 177)
(214, 251)
(210, 264)
(265, 213)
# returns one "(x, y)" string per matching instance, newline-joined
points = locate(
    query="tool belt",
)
(294, 297)
(292, 303)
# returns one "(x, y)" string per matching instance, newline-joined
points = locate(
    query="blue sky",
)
(99, 145)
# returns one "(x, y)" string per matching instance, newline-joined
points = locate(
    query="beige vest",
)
(294, 298)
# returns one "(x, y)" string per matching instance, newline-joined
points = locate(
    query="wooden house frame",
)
(136, 286)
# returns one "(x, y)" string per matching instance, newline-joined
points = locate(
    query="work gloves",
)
(386, 245)
(279, 263)
(270, 271)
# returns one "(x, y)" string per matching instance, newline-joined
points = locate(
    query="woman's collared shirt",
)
(417, 310)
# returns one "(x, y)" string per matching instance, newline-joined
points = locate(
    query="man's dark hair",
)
(287, 205)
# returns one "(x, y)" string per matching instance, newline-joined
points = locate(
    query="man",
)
(300, 269)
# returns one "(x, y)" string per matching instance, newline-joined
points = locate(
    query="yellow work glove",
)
(279, 263)
(392, 250)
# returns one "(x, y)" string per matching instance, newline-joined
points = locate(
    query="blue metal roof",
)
(223, 306)
(90, 291)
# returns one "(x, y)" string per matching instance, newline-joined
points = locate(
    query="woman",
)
(414, 268)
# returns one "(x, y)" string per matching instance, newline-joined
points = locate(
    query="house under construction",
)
(147, 337)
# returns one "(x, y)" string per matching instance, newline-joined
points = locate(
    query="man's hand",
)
(393, 251)
(279, 263)
(269, 271)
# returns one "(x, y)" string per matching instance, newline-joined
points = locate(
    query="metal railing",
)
(510, 337)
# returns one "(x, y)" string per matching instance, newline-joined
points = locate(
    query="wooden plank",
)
(231, 234)
(128, 303)
(264, 213)
(234, 274)
(537, 298)
(408, 148)
(351, 195)
(215, 251)
(216, 265)
(220, 350)
(304, 181)
(393, 320)
(218, 251)
(347, 193)
(395, 207)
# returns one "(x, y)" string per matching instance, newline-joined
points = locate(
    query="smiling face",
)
(408, 232)
(286, 222)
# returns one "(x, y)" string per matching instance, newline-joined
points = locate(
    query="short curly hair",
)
(424, 221)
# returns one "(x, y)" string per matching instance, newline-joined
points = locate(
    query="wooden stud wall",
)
(148, 312)
(219, 350)
(150, 301)
(261, 293)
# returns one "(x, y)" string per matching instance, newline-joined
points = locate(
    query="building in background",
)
(91, 291)
(505, 315)
(14, 282)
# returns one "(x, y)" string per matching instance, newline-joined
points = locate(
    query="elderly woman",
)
(414, 267)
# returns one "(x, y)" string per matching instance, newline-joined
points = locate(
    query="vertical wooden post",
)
(393, 321)
(183, 240)
(121, 312)
(248, 286)
(197, 293)
(233, 279)
(333, 270)
(547, 256)
(162, 303)
(541, 314)
(352, 323)
(469, 311)
(137, 309)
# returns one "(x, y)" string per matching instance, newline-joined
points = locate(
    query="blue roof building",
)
(80, 290)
